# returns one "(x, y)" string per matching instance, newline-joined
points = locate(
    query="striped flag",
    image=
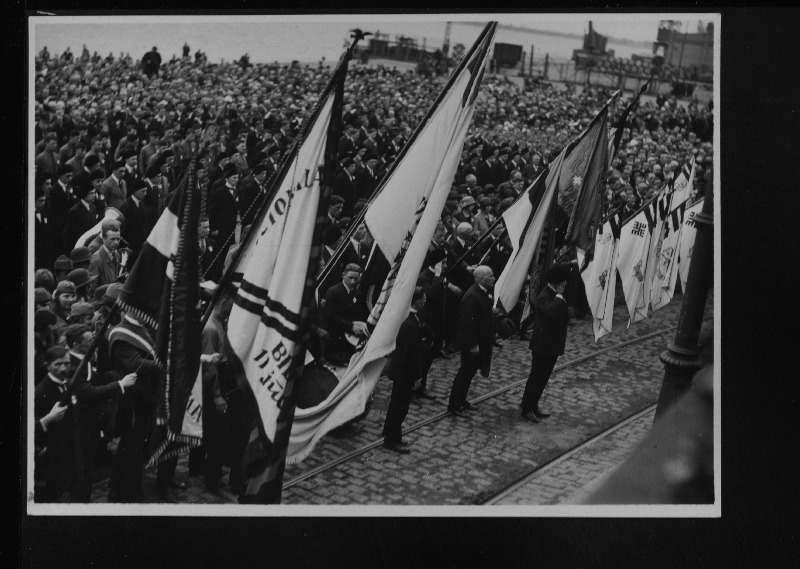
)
(634, 259)
(268, 325)
(600, 276)
(402, 219)
(525, 222)
(162, 292)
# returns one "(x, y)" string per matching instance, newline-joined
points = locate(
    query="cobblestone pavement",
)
(571, 479)
(466, 460)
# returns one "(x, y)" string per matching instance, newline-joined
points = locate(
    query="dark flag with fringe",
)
(162, 292)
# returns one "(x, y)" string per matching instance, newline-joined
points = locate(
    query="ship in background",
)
(680, 62)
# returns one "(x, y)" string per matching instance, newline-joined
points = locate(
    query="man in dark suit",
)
(135, 228)
(486, 172)
(407, 366)
(547, 340)
(210, 262)
(345, 314)
(252, 193)
(61, 199)
(344, 185)
(82, 216)
(367, 179)
(43, 238)
(223, 210)
(55, 455)
(475, 336)
(132, 351)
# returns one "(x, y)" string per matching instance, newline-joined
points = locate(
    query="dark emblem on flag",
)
(637, 272)
(664, 262)
(603, 277)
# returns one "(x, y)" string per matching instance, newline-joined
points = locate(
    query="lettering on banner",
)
(274, 364)
(638, 228)
(279, 207)
(690, 219)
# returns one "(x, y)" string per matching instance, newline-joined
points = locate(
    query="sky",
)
(283, 38)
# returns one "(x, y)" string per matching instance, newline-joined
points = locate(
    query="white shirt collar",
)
(54, 379)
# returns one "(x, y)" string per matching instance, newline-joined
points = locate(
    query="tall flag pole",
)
(402, 219)
(163, 292)
(269, 322)
(615, 134)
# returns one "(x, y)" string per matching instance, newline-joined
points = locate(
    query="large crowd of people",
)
(114, 137)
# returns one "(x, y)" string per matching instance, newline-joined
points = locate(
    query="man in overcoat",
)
(548, 339)
(474, 337)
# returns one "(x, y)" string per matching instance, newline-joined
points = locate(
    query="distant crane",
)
(446, 44)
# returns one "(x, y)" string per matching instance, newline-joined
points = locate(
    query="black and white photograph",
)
(373, 265)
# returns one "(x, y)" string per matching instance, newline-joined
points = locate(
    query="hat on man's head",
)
(152, 171)
(330, 235)
(467, 200)
(485, 201)
(130, 152)
(91, 161)
(119, 164)
(230, 170)
(96, 175)
(38, 192)
(80, 277)
(259, 168)
(83, 188)
(167, 153)
(41, 295)
(80, 255)
(63, 263)
(336, 200)
(81, 309)
(65, 287)
(64, 169)
(557, 273)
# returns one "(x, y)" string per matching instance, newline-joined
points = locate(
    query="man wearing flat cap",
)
(548, 339)
(82, 216)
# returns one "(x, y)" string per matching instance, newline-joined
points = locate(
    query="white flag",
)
(688, 234)
(525, 221)
(263, 328)
(634, 245)
(684, 183)
(402, 219)
(600, 278)
(666, 264)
